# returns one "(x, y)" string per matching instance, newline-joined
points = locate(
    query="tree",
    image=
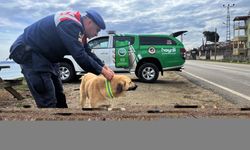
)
(211, 36)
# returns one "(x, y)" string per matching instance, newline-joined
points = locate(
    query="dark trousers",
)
(42, 76)
(45, 87)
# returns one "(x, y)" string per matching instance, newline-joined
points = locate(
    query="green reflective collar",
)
(109, 89)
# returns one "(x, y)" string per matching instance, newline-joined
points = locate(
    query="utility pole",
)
(228, 38)
(215, 45)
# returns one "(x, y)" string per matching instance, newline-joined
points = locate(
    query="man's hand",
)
(106, 67)
(107, 72)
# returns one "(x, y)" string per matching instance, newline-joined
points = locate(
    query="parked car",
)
(146, 55)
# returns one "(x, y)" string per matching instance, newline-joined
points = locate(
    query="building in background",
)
(241, 40)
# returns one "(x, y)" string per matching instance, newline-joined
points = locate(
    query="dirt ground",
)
(161, 97)
(169, 90)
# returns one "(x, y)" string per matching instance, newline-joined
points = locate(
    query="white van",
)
(146, 55)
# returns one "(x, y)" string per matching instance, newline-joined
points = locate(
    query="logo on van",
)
(122, 52)
(168, 51)
(151, 50)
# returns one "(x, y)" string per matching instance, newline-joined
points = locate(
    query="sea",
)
(10, 73)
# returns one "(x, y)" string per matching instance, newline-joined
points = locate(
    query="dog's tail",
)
(82, 92)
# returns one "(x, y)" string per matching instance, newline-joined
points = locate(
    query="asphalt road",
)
(232, 81)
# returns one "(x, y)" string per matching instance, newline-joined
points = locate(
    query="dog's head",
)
(123, 83)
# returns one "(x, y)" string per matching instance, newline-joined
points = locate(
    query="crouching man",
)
(44, 43)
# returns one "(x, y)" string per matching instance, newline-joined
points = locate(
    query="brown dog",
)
(97, 88)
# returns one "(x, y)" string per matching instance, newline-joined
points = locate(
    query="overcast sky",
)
(126, 16)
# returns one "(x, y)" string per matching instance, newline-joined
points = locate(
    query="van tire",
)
(67, 72)
(137, 73)
(148, 72)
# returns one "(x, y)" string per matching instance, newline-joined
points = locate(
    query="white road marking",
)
(222, 87)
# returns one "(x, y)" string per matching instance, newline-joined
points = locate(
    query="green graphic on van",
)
(171, 51)
(151, 50)
(121, 54)
(122, 51)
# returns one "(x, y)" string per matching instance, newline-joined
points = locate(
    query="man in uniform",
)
(44, 43)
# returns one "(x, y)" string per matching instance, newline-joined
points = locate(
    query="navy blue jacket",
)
(54, 37)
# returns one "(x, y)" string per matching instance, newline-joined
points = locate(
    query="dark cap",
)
(96, 17)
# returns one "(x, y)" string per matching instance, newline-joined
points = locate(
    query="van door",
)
(123, 51)
(100, 47)
(121, 54)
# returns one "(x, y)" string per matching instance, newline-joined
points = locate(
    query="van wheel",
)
(67, 72)
(137, 73)
(148, 72)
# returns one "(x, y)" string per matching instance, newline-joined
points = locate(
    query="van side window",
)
(99, 43)
(149, 40)
(130, 39)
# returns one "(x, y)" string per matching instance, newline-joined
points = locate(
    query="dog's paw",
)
(104, 106)
(122, 109)
(116, 109)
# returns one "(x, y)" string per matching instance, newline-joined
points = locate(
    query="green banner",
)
(121, 54)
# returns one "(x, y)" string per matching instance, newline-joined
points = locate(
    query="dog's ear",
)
(119, 87)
